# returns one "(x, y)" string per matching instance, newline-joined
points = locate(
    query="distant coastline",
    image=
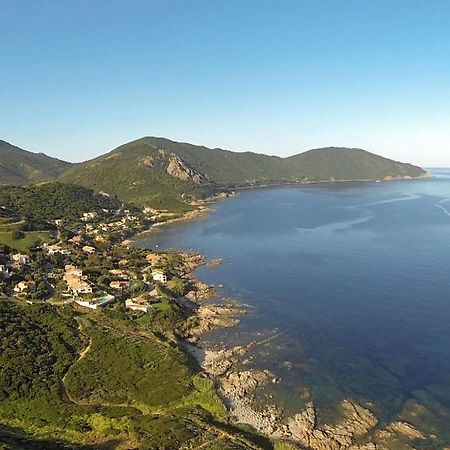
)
(204, 208)
(238, 386)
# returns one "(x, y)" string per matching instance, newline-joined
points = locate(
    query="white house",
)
(25, 286)
(54, 249)
(159, 275)
(120, 284)
(76, 282)
(138, 304)
(73, 270)
(89, 216)
(21, 258)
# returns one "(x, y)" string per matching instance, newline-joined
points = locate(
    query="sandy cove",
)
(189, 216)
(203, 208)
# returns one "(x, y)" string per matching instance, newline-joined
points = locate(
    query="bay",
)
(353, 282)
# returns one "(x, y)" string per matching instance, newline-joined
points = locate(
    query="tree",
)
(41, 291)
(16, 235)
(176, 285)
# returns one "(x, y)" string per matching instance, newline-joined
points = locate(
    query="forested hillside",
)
(19, 166)
(347, 164)
(165, 174)
(158, 171)
(51, 201)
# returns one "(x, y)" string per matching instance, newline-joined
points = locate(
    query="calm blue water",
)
(356, 277)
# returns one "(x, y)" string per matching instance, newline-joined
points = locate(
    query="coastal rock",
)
(405, 429)
(302, 425)
(241, 384)
(201, 292)
(211, 317)
(239, 387)
(265, 420)
(192, 260)
(217, 363)
(214, 263)
(357, 422)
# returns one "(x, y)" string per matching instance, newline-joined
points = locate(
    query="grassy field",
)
(29, 239)
(163, 305)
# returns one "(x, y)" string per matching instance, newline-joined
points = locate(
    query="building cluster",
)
(65, 267)
(77, 284)
(15, 273)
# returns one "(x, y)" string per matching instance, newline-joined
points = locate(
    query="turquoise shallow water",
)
(355, 277)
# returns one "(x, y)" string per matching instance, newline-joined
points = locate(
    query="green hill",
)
(27, 213)
(158, 171)
(342, 163)
(19, 166)
(74, 379)
(163, 173)
(50, 201)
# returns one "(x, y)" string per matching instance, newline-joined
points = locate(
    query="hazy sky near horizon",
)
(78, 78)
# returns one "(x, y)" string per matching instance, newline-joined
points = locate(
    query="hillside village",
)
(83, 264)
(86, 312)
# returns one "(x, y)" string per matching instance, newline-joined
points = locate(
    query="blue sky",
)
(78, 78)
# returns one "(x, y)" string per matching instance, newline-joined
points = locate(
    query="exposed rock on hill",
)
(178, 169)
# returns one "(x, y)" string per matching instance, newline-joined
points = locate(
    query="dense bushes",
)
(132, 370)
(38, 344)
(51, 201)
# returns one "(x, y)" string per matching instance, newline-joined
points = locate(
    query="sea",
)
(348, 290)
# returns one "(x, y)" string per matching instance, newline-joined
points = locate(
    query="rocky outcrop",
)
(212, 317)
(357, 422)
(239, 390)
(405, 429)
(241, 384)
(401, 433)
(215, 263)
(147, 161)
(201, 292)
(219, 362)
(177, 168)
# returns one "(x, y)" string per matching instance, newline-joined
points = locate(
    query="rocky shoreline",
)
(239, 385)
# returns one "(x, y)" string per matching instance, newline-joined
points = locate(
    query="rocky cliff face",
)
(179, 169)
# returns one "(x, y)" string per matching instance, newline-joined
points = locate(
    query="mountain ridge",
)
(140, 170)
(164, 174)
(19, 166)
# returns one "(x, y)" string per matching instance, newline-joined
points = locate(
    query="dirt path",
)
(64, 394)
